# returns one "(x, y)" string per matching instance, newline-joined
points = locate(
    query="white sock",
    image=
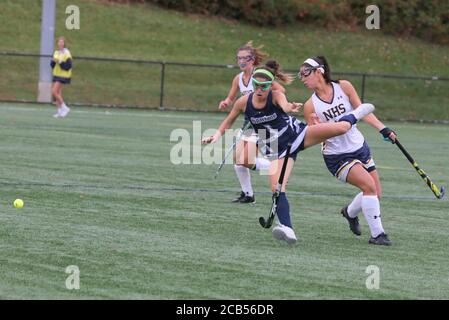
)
(355, 207)
(371, 210)
(262, 164)
(244, 179)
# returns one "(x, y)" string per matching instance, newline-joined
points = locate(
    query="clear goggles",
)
(306, 71)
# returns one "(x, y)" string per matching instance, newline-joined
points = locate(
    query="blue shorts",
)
(298, 144)
(294, 154)
(62, 80)
(296, 140)
(340, 164)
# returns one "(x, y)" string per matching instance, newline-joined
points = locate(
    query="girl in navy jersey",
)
(348, 156)
(267, 110)
(245, 156)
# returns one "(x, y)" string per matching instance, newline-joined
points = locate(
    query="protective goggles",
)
(245, 58)
(305, 72)
(264, 85)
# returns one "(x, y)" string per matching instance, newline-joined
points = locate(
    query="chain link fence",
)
(200, 87)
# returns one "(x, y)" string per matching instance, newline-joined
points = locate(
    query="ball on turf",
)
(18, 203)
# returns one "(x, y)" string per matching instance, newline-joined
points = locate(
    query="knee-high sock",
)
(283, 210)
(371, 210)
(355, 207)
(244, 179)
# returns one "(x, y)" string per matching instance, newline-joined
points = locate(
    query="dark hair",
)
(275, 68)
(321, 60)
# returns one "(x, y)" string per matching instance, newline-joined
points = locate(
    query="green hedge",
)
(425, 19)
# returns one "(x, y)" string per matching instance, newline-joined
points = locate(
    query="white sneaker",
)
(281, 232)
(363, 110)
(57, 115)
(64, 111)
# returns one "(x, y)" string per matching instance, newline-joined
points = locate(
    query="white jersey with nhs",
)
(332, 112)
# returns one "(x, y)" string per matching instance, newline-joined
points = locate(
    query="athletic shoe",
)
(354, 225)
(243, 198)
(281, 232)
(248, 199)
(242, 195)
(381, 239)
(64, 111)
(56, 115)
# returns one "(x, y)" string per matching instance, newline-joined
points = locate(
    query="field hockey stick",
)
(438, 192)
(228, 152)
(275, 199)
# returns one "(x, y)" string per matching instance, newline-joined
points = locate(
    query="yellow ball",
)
(18, 203)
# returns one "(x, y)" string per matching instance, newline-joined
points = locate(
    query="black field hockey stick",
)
(229, 151)
(438, 192)
(275, 199)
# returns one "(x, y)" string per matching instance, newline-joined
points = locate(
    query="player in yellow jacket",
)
(61, 64)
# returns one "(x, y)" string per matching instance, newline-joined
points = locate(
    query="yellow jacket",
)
(63, 66)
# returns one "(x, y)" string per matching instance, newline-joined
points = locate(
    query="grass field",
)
(101, 193)
(151, 33)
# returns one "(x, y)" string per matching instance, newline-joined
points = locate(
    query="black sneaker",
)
(381, 239)
(248, 199)
(353, 222)
(242, 195)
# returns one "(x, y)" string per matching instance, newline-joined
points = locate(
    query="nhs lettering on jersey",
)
(331, 112)
(334, 112)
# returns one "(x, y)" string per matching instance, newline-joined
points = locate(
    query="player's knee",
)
(248, 165)
(273, 184)
(240, 161)
(379, 194)
(247, 162)
(369, 187)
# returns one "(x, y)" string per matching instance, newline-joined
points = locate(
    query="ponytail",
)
(257, 53)
(274, 67)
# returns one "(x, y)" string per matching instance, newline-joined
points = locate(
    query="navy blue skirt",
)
(62, 80)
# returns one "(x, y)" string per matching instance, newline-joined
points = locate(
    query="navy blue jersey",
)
(275, 128)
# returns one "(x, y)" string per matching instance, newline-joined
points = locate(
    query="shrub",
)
(425, 19)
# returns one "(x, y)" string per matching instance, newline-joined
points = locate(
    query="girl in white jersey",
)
(245, 157)
(348, 156)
